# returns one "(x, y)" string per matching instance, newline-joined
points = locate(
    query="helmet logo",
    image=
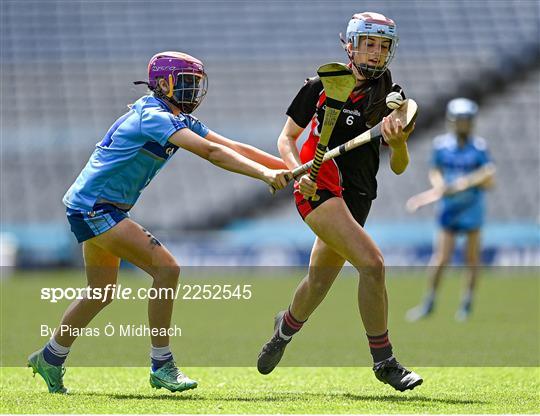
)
(163, 68)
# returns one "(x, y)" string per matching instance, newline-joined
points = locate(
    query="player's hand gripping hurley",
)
(406, 114)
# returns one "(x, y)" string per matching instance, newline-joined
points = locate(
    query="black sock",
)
(380, 347)
(290, 325)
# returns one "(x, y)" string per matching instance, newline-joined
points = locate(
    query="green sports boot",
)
(170, 377)
(52, 374)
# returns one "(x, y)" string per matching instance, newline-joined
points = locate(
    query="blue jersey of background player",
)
(461, 167)
(132, 152)
(453, 158)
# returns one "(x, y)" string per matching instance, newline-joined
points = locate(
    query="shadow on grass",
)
(408, 399)
(285, 396)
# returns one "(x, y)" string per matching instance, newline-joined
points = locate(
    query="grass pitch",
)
(486, 365)
(287, 390)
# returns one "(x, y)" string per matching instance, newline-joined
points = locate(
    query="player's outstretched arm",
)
(228, 159)
(436, 178)
(481, 177)
(488, 181)
(246, 150)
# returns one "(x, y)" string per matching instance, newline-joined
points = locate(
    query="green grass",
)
(489, 364)
(288, 390)
(506, 310)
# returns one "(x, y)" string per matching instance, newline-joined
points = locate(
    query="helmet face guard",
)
(188, 91)
(373, 41)
(185, 76)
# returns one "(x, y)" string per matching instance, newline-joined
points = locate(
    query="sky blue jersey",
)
(464, 210)
(132, 152)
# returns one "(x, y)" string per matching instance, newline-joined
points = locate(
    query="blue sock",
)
(429, 301)
(54, 353)
(157, 364)
(466, 302)
(160, 356)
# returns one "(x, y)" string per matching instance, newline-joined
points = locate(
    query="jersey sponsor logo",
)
(352, 112)
(347, 111)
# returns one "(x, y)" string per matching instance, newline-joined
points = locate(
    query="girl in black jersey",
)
(346, 188)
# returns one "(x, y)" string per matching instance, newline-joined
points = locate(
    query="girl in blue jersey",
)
(132, 152)
(457, 157)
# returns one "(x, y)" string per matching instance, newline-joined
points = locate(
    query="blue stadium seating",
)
(67, 68)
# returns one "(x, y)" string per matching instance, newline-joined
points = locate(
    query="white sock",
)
(160, 353)
(58, 349)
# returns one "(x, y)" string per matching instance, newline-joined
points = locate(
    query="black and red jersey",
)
(354, 171)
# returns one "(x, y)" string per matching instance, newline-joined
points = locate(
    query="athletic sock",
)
(380, 347)
(160, 356)
(289, 326)
(466, 301)
(429, 301)
(54, 353)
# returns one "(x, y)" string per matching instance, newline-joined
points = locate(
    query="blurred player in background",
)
(132, 152)
(462, 170)
(346, 188)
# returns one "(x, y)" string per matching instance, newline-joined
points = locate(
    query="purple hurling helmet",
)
(188, 83)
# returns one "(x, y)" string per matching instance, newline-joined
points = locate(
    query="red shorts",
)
(305, 206)
(359, 205)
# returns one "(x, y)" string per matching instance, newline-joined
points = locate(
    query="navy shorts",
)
(86, 225)
(460, 229)
(457, 224)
